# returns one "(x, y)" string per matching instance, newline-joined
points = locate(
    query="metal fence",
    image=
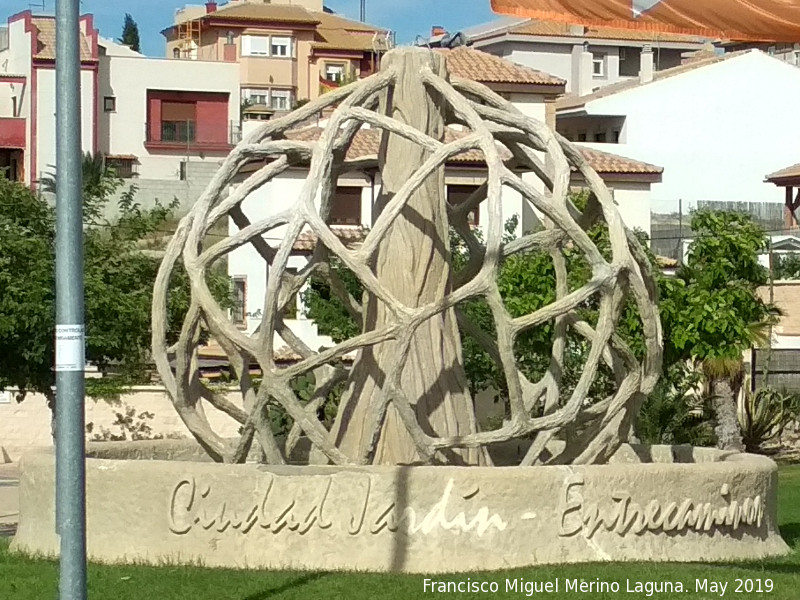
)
(669, 230)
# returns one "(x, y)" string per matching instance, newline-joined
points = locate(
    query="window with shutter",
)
(255, 45)
(458, 194)
(346, 208)
(281, 46)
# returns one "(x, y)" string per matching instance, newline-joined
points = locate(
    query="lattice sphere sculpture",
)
(407, 400)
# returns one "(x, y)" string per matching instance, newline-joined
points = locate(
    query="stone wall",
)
(412, 519)
(26, 426)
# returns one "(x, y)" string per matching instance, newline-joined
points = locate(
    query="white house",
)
(716, 125)
(28, 94)
(356, 192)
(588, 58)
(165, 124)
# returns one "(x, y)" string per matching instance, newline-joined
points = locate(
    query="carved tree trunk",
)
(413, 262)
(729, 436)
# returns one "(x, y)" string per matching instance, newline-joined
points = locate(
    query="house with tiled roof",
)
(28, 94)
(352, 207)
(161, 123)
(716, 125)
(287, 51)
(588, 58)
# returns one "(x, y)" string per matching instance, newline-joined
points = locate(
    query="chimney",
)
(646, 65)
(438, 30)
(582, 70)
(211, 7)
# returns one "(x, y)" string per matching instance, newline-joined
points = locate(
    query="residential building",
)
(787, 52)
(588, 58)
(28, 94)
(352, 208)
(166, 125)
(287, 50)
(162, 124)
(714, 125)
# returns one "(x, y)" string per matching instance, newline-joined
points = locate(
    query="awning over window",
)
(755, 20)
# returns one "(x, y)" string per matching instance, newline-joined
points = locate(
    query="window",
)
(458, 194)
(346, 207)
(239, 301)
(110, 104)
(255, 45)
(334, 73)
(600, 137)
(260, 97)
(178, 122)
(281, 99)
(281, 46)
(616, 137)
(599, 65)
(124, 166)
(176, 53)
(582, 137)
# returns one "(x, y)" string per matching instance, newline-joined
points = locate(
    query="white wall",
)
(46, 119)
(17, 61)
(633, 203)
(716, 130)
(555, 59)
(26, 425)
(128, 78)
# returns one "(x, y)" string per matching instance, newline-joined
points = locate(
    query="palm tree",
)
(100, 182)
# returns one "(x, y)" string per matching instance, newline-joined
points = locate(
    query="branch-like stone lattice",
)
(397, 335)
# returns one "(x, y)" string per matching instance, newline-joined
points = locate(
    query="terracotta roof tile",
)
(787, 173)
(366, 143)
(277, 13)
(349, 236)
(333, 21)
(572, 101)
(555, 29)
(212, 351)
(605, 162)
(46, 40)
(484, 67)
(340, 39)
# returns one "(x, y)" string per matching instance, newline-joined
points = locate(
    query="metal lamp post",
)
(70, 450)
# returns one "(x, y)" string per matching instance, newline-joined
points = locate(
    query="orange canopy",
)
(754, 20)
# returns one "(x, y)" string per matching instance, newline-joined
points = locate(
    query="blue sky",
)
(407, 17)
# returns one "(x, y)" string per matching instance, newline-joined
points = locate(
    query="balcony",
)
(191, 136)
(12, 133)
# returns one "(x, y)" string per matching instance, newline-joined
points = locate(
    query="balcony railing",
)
(191, 134)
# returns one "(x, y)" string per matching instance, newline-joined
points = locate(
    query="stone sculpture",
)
(407, 399)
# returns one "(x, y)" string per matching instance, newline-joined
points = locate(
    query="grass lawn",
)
(24, 579)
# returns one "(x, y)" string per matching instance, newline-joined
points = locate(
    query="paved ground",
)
(9, 499)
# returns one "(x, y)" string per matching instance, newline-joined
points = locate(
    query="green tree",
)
(711, 310)
(130, 33)
(787, 266)
(119, 277)
(527, 282)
